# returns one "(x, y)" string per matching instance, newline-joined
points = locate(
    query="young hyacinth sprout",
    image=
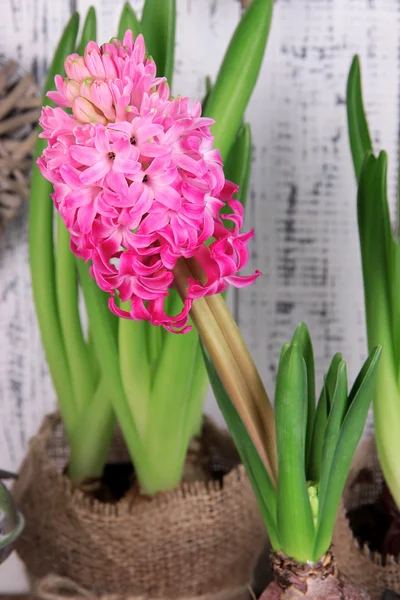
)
(380, 254)
(315, 445)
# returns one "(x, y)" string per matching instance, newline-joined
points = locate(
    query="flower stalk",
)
(225, 345)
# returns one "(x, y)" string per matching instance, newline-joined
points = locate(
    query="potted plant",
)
(315, 446)
(372, 500)
(138, 184)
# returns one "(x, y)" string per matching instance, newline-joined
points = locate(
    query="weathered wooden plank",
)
(303, 189)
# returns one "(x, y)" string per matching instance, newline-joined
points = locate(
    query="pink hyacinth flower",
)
(138, 183)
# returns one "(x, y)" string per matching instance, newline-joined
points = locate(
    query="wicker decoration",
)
(19, 113)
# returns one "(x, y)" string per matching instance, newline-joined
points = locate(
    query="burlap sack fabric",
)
(360, 565)
(199, 541)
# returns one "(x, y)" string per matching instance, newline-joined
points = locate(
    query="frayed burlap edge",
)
(365, 568)
(53, 587)
(198, 540)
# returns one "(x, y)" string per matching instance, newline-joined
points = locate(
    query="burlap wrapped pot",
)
(199, 541)
(369, 570)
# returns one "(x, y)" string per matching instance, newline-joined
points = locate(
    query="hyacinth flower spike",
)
(135, 211)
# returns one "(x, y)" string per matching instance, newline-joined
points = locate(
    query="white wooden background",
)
(302, 197)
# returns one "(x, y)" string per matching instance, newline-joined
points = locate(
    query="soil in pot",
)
(319, 581)
(377, 524)
(119, 478)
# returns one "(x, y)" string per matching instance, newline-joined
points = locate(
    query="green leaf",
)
(41, 250)
(135, 369)
(237, 166)
(360, 140)
(338, 407)
(314, 465)
(380, 254)
(89, 31)
(78, 353)
(168, 431)
(104, 328)
(97, 302)
(155, 336)
(194, 378)
(208, 90)
(350, 434)
(128, 20)
(377, 252)
(158, 28)
(295, 519)
(284, 349)
(65, 46)
(78, 356)
(317, 443)
(331, 379)
(208, 84)
(263, 488)
(199, 382)
(381, 271)
(92, 436)
(395, 304)
(303, 339)
(238, 74)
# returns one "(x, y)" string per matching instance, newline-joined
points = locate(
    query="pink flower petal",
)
(84, 155)
(169, 197)
(95, 173)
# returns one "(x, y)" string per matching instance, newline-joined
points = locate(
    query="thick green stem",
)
(82, 378)
(378, 253)
(92, 436)
(168, 430)
(387, 425)
(105, 339)
(386, 402)
(135, 369)
(41, 254)
(94, 363)
(154, 344)
(164, 381)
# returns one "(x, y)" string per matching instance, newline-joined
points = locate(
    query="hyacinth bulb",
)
(139, 184)
(315, 581)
